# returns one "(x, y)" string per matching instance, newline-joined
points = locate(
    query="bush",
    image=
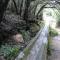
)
(9, 52)
(26, 36)
(52, 32)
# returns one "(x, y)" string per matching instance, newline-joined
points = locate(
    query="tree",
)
(3, 5)
(15, 6)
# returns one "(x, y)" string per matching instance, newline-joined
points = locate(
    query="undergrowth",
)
(52, 32)
(9, 52)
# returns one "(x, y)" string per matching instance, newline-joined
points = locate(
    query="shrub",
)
(52, 32)
(9, 52)
(26, 35)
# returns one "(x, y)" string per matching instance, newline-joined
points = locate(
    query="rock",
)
(2, 58)
(34, 28)
(18, 38)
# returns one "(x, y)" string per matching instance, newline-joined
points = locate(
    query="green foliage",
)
(26, 35)
(48, 46)
(9, 52)
(27, 51)
(52, 32)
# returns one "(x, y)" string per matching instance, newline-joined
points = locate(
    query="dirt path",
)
(55, 48)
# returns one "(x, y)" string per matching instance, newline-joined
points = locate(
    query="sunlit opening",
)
(49, 17)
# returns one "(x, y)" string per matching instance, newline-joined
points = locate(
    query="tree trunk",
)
(27, 4)
(3, 6)
(15, 6)
(21, 5)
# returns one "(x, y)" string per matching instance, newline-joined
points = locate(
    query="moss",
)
(48, 46)
(27, 51)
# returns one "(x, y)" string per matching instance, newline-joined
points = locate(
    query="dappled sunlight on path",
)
(55, 46)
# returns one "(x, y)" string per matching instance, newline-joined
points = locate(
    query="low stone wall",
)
(29, 46)
(42, 53)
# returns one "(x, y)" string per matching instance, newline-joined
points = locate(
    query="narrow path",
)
(55, 55)
(37, 50)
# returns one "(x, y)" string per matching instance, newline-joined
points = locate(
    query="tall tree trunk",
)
(22, 9)
(27, 4)
(3, 6)
(21, 5)
(15, 6)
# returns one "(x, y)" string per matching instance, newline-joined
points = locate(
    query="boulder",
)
(2, 58)
(18, 38)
